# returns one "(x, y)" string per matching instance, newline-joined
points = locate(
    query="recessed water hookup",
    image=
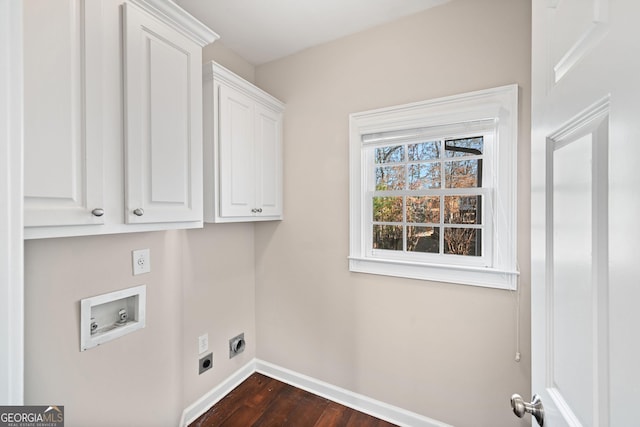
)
(109, 316)
(236, 345)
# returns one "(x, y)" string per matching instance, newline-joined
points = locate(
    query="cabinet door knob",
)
(259, 210)
(138, 212)
(97, 212)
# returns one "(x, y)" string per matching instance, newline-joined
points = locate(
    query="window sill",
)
(465, 275)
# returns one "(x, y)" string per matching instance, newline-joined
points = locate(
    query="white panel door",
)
(163, 129)
(237, 153)
(62, 113)
(268, 134)
(585, 201)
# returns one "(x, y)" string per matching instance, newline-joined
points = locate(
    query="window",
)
(433, 189)
(428, 196)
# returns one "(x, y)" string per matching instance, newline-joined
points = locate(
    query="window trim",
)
(459, 112)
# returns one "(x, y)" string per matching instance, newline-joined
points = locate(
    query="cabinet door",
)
(268, 149)
(163, 127)
(62, 113)
(237, 155)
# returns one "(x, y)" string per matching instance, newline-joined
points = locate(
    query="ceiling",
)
(264, 30)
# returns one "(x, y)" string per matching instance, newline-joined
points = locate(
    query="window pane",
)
(462, 209)
(462, 241)
(392, 154)
(424, 151)
(464, 147)
(423, 209)
(390, 178)
(463, 173)
(423, 239)
(424, 175)
(387, 237)
(387, 209)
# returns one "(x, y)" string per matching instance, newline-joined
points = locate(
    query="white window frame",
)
(491, 112)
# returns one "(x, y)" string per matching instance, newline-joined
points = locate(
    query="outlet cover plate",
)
(141, 260)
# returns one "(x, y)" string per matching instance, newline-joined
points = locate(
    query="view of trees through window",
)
(427, 197)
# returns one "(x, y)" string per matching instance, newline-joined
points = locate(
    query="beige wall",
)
(202, 281)
(442, 350)
(219, 299)
(229, 59)
(133, 380)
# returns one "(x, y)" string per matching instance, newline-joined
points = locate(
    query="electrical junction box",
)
(109, 316)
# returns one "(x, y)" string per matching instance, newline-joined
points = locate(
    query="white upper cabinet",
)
(62, 113)
(163, 108)
(268, 161)
(113, 127)
(236, 158)
(243, 149)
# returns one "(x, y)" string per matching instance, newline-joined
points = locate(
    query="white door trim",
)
(11, 234)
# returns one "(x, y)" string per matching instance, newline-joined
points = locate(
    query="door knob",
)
(535, 408)
(97, 212)
(138, 212)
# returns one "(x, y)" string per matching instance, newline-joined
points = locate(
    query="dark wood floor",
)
(265, 402)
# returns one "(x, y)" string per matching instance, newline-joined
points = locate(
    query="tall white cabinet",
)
(113, 123)
(243, 149)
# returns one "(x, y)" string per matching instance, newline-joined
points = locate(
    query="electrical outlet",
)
(205, 363)
(141, 260)
(203, 343)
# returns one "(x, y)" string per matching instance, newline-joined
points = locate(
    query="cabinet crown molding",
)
(214, 71)
(170, 13)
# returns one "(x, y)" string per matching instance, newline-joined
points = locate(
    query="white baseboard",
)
(202, 405)
(384, 411)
